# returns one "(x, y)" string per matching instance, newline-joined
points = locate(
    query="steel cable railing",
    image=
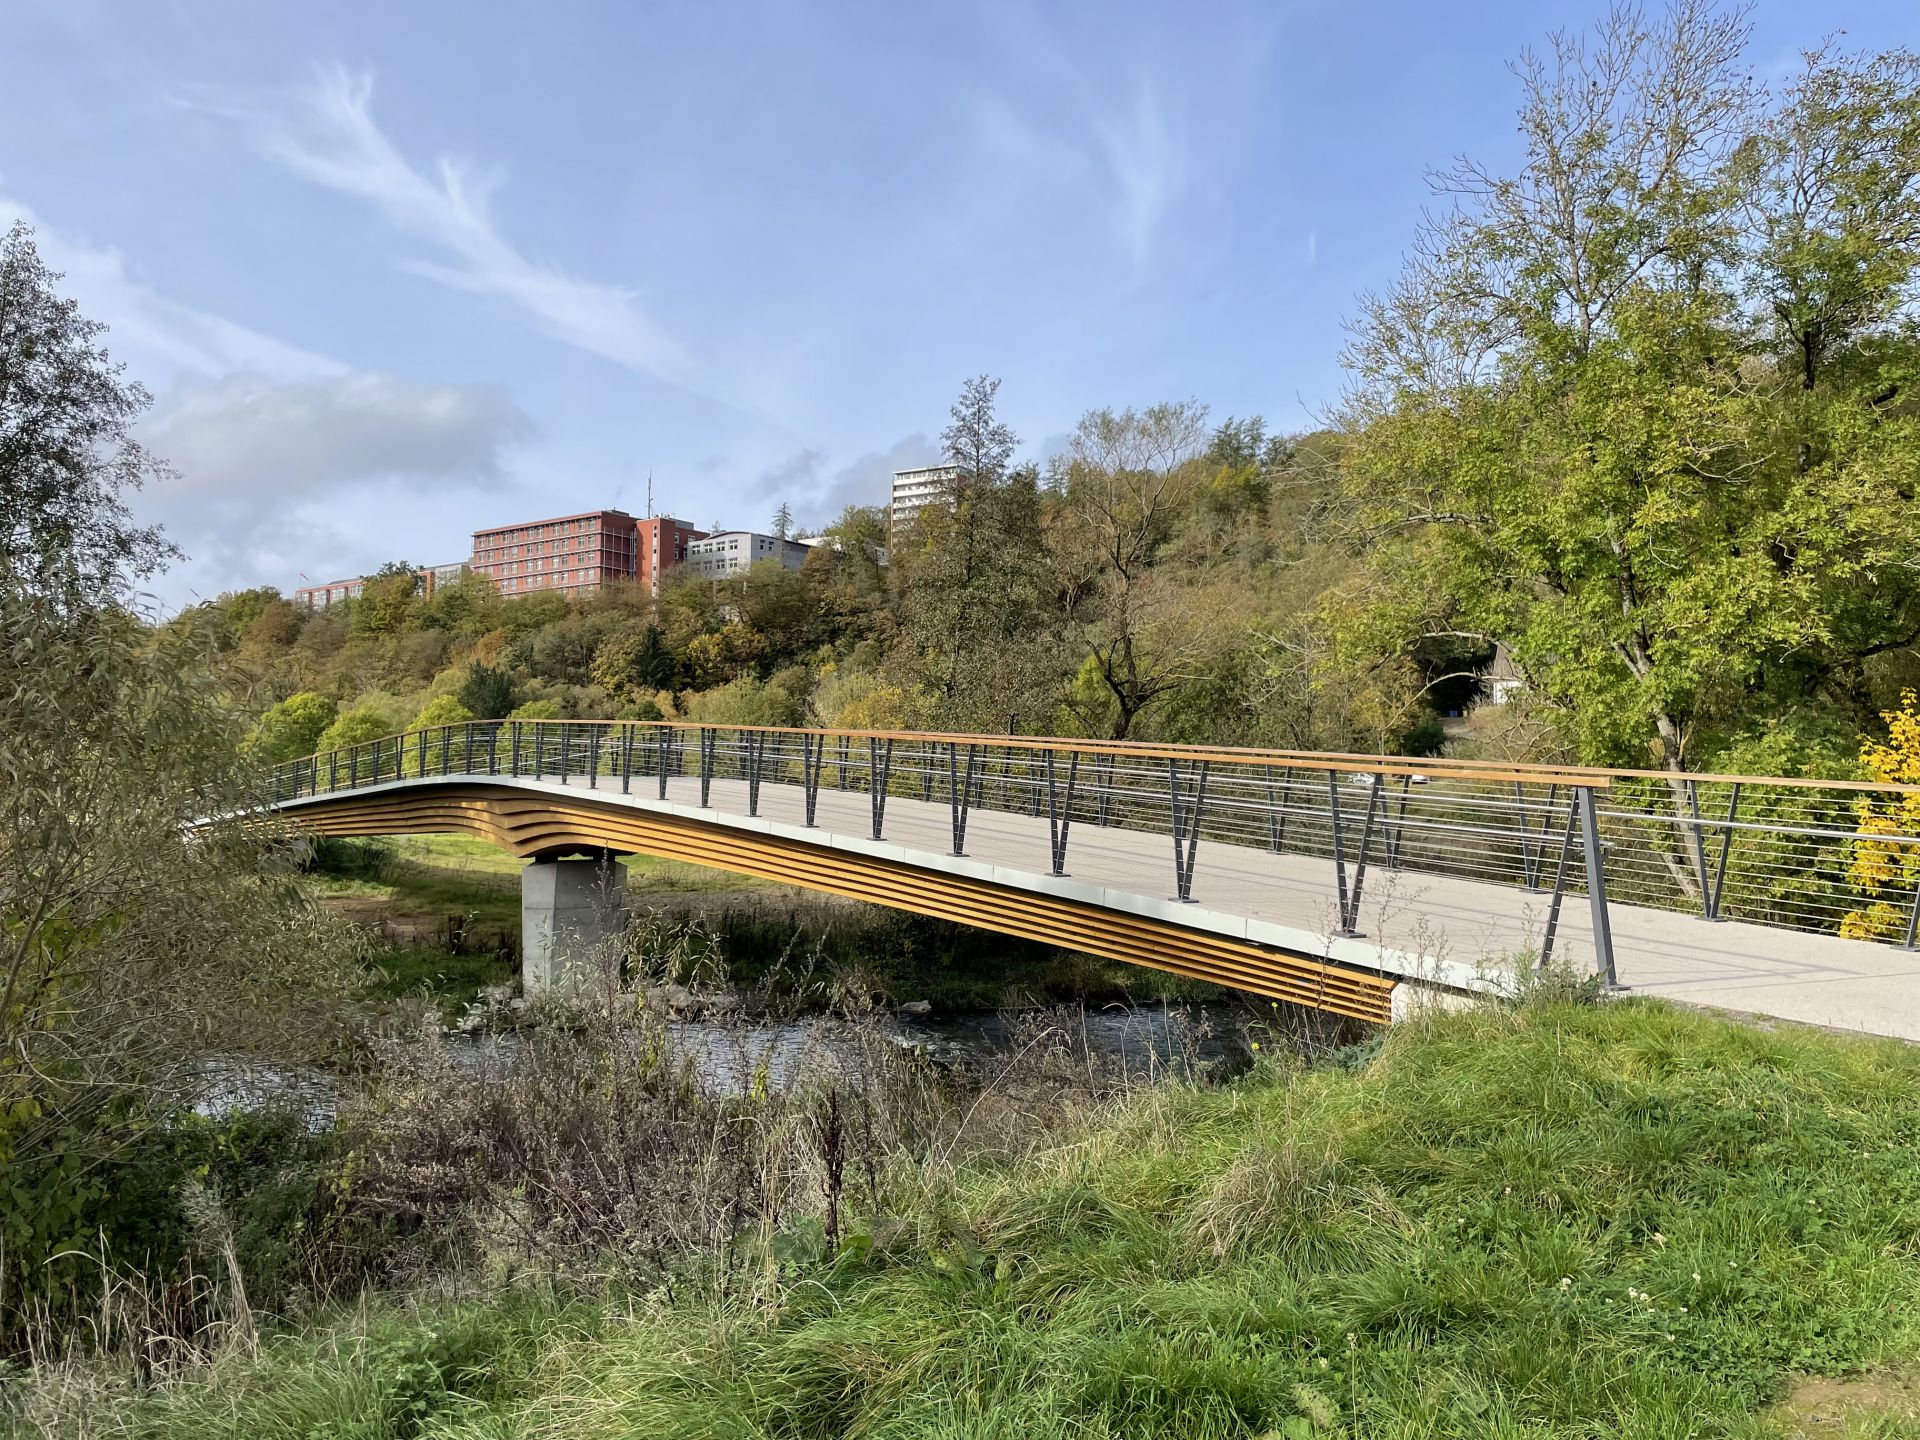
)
(1821, 857)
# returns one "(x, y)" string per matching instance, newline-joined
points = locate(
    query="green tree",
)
(1642, 411)
(67, 452)
(146, 923)
(443, 710)
(292, 728)
(486, 692)
(746, 701)
(356, 726)
(633, 660)
(390, 601)
(975, 590)
(1124, 483)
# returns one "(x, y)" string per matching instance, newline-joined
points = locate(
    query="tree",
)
(978, 618)
(389, 602)
(975, 596)
(635, 660)
(487, 691)
(356, 726)
(975, 441)
(67, 453)
(783, 520)
(1123, 483)
(443, 710)
(1642, 411)
(292, 728)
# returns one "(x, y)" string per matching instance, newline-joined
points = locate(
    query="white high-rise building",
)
(914, 490)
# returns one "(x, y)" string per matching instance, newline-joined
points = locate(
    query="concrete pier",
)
(572, 913)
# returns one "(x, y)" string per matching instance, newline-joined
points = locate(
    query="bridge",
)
(1355, 884)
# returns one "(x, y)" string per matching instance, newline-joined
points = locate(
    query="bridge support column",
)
(572, 913)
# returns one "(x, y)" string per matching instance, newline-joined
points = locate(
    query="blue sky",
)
(395, 271)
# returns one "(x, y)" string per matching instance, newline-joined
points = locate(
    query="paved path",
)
(1458, 933)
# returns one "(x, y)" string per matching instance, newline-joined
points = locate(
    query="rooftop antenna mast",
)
(649, 494)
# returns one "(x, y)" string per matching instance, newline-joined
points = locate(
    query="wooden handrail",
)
(1340, 762)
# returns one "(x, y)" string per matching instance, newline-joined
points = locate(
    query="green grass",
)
(1553, 1222)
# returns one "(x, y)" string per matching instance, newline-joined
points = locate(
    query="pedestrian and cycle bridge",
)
(1355, 884)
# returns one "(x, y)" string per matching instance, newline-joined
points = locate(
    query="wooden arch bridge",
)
(1350, 883)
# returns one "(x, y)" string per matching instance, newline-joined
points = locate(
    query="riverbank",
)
(1555, 1220)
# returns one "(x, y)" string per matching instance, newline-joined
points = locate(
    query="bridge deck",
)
(1453, 931)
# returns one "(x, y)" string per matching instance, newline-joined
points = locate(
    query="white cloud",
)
(281, 455)
(247, 437)
(157, 338)
(866, 481)
(1145, 162)
(326, 477)
(327, 135)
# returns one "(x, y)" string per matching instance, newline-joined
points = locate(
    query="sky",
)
(394, 272)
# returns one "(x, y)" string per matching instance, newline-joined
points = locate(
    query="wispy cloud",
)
(157, 337)
(326, 133)
(271, 444)
(1145, 162)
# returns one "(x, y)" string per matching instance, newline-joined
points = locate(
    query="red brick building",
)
(577, 553)
(660, 543)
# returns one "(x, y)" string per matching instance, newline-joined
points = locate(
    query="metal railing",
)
(1818, 856)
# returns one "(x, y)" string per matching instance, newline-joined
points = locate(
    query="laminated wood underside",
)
(534, 825)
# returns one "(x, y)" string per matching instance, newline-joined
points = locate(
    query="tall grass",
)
(1551, 1221)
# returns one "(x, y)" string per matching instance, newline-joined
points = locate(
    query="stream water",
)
(1139, 1043)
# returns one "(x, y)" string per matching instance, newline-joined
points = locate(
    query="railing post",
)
(708, 738)
(1276, 809)
(1726, 844)
(1597, 890)
(333, 771)
(960, 792)
(1186, 827)
(1699, 844)
(813, 754)
(756, 758)
(1559, 886)
(566, 753)
(626, 759)
(513, 751)
(1060, 817)
(1396, 836)
(1339, 855)
(879, 772)
(665, 736)
(1360, 868)
(593, 760)
(1529, 867)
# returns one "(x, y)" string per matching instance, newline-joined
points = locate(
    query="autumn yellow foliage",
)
(1885, 861)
